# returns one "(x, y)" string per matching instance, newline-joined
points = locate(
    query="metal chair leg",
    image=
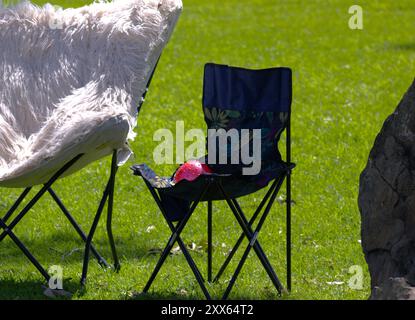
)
(91, 235)
(16, 204)
(236, 274)
(23, 248)
(288, 231)
(253, 243)
(7, 229)
(176, 237)
(245, 221)
(107, 195)
(242, 236)
(114, 169)
(38, 195)
(209, 249)
(36, 198)
(252, 237)
(190, 261)
(163, 258)
(77, 227)
(182, 246)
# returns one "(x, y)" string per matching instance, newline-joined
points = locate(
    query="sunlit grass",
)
(345, 83)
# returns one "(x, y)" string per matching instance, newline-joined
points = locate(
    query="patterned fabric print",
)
(271, 124)
(155, 180)
(219, 119)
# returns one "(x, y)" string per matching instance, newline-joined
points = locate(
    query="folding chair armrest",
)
(136, 169)
(290, 166)
(217, 176)
(151, 177)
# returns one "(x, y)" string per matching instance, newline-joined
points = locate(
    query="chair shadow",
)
(403, 46)
(63, 248)
(176, 297)
(161, 296)
(32, 289)
(67, 247)
(51, 247)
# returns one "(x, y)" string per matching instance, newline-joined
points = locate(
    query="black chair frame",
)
(249, 232)
(107, 197)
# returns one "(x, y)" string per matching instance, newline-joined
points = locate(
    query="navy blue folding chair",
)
(233, 99)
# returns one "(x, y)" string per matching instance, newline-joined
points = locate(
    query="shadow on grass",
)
(172, 296)
(32, 289)
(216, 291)
(139, 296)
(403, 46)
(67, 247)
(56, 246)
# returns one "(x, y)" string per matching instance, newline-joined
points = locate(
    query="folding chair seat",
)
(71, 85)
(233, 98)
(235, 186)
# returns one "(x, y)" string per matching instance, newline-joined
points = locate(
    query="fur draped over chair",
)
(71, 81)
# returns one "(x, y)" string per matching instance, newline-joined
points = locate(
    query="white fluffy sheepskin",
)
(71, 80)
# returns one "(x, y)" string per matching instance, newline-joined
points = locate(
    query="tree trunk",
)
(387, 205)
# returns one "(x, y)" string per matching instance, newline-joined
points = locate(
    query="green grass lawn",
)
(345, 84)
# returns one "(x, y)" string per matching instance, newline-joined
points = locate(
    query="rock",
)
(394, 289)
(387, 205)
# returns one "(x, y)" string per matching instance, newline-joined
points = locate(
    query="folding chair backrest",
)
(237, 98)
(55, 65)
(65, 74)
